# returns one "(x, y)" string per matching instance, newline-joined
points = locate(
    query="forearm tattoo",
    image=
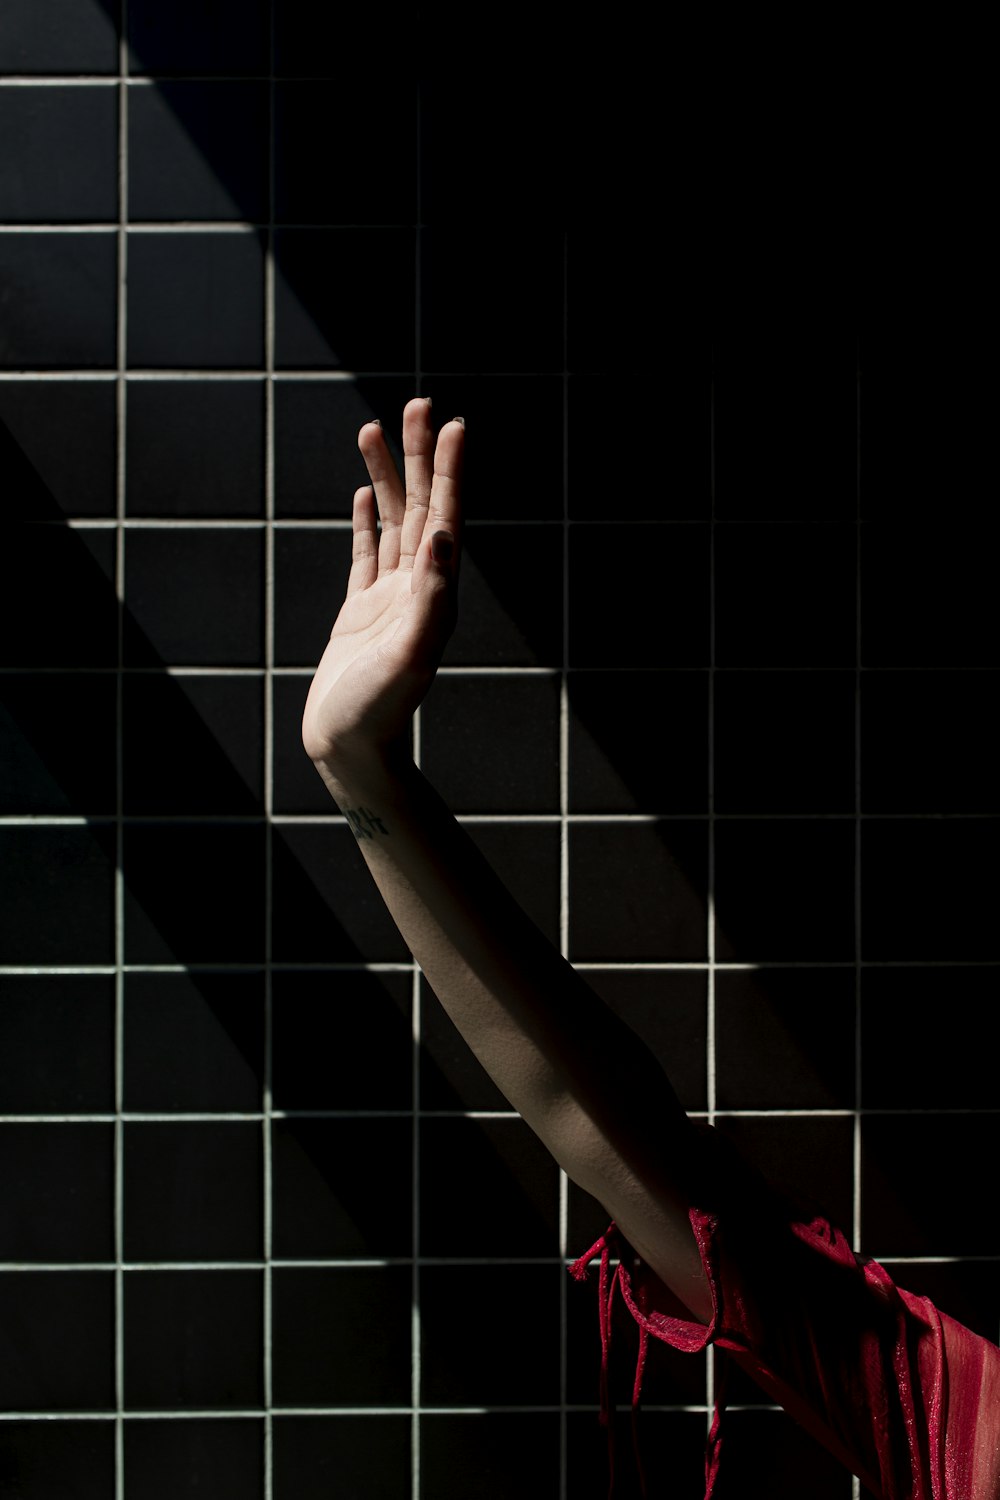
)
(364, 823)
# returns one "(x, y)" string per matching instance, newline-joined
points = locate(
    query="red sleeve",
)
(903, 1396)
(898, 1392)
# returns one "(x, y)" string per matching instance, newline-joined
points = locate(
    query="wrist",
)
(364, 771)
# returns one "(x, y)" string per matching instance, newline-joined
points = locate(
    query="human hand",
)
(399, 611)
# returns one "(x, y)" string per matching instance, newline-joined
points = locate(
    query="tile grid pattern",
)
(564, 819)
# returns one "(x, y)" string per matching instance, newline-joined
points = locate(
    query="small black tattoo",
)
(364, 822)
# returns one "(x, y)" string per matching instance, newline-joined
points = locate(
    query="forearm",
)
(578, 1075)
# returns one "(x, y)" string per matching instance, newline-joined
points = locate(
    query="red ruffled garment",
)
(901, 1394)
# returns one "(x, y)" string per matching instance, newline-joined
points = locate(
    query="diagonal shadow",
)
(60, 610)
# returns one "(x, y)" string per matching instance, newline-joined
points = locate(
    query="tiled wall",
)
(719, 708)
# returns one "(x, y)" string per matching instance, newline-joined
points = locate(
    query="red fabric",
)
(905, 1397)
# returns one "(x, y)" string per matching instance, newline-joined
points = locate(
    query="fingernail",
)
(459, 420)
(442, 546)
(429, 401)
(375, 422)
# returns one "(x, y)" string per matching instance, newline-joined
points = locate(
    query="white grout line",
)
(416, 1332)
(121, 354)
(856, 1166)
(269, 565)
(564, 868)
(484, 1262)
(710, 997)
(167, 1117)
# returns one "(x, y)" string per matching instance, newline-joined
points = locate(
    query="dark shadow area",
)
(656, 252)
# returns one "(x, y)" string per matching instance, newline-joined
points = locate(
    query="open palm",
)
(399, 609)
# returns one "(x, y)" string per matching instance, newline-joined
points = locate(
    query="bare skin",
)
(580, 1078)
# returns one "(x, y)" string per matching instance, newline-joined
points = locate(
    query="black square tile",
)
(63, 36)
(178, 1460)
(668, 1011)
(362, 1313)
(637, 891)
(783, 1459)
(58, 1342)
(194, 597)
(317, 466)
(491, 744)
(491, 298)
(46, 770)
(326, 907)
(57, 600)
(785, 596)
(193, 1339)
(612, 623)
(194, 893)
(298, 787)
(618, 760)
(929, 742)
(785, 889)
(212, 761)
(505, 481)
(451, 1076)
(785, 427)
(491, 1455)
(315, 1457)
(342, 1188)
(927, 594)
(66, 164)
(785, 1039)
(674, 411)
(194, 1042)
(523, 1364)
(372, 181)
(193, 1191)
(607, 283)
(57, 1187)
(487, 1188)
(927, 888)
(74, 476)
(809, 1157)
(341, 1040)
(901, 1008)
(60, 306)
(925, 425)
(311, 568)
(61, 1030)
(195, 300)
(482, 161)
(198, 150)
(510, 598)
(195, 448)
(321, 43)
(784, 742)
(229, 37)
(633, 309)
(326, 283)
(922, 1186)
(57, 894)
(526, 858)
(671, 1445)
(46, 1459)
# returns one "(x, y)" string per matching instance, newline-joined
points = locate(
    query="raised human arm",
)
(581, 1079)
